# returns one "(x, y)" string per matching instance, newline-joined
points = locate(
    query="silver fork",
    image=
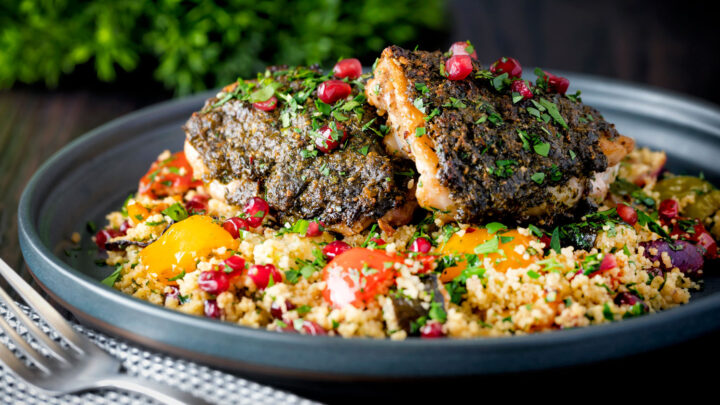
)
(79, 366)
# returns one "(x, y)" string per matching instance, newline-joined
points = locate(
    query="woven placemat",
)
(212, 385)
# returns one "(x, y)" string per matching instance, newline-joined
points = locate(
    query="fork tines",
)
(61, 356)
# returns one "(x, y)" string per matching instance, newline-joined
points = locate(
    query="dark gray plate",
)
(94, 174)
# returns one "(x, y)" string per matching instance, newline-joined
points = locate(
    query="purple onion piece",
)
(683, 255)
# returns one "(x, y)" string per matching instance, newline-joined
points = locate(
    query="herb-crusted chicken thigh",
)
(273, 137)
(485, 152)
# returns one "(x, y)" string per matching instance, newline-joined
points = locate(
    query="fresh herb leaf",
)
(176, 211)
(555, 240)
(110, 280)
(493, 227)
(491, 246)
(542, 148)
(437, 313)
(553, 111)
(538, 177)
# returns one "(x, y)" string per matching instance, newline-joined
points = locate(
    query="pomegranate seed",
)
(431, 330)
(278, 308)
(705, 241)
(627, 214)
(506, 65)
(197, 205)
(237, 264)
(335, 248)
(260, 275)
(124, 227)
(234, 225)
(378, 241)
(331, 91)
(213, 282)
(330, 140)
(313, 229)
(458, 67)
(558, 84)
(350, 68)
(212, 310)
(105, 235)
(668, 209)
(520, 86)
(421, 245)
(256, 210)
(470, 230)
(546, 240)
(174, 293)
(608, 262)
(267, 105)
(626, 298)
(312, 328)
(461, 48)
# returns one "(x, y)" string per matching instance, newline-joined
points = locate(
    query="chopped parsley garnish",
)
(124, 210)
(524, 138)
(176, 211)
(535, 230)
(494, 227)
(491, 246)
(300, 226)
(555, 173)
(555, 240)
(456, 288)
(542, 148)
(607, 312)
(324, 169)
(419, 131)
(178, 277)
(625, 188)
(110, 280)
(503, 168)
(553, 111)
(437, 313)
(307, 154)
(538, 177)
(499, 82)
(575, 97)
(455, 103)
(432, 114)
(646, 220)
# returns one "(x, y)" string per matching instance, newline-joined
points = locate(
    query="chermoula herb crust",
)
(274, 153)
(500, 155)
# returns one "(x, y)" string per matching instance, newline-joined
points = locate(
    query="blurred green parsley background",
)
(193, 45)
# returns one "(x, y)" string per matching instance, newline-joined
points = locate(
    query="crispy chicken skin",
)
(482, 157)
(240, 151)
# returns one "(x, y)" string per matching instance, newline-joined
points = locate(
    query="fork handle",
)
(158, 391)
